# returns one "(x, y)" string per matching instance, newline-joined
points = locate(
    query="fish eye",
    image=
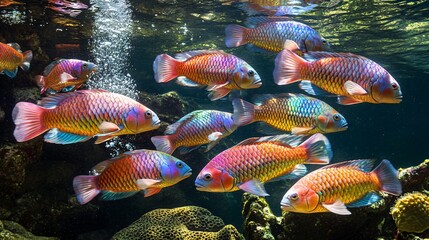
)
(336, 117)
(207, 176)
(179, 164)
(85, 65)
(294, 196)
(251, 73)
(324, 42)
(148, 114)
(395, 86)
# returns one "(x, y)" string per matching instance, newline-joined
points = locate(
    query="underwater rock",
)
(411, 212)
(13, 231)
(190, 222)
(415, 178)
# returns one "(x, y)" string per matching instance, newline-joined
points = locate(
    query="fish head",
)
(245, 77)
(87, 68)
(315, 42)
(386, 90)
(213, 179)
(173, 170)
(300, 198)
(141, 119)
(331, 121)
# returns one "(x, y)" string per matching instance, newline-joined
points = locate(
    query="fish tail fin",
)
(28, 120)
(40, 82)
(388, 177)
(85, 187)
(235, 35)
(164, 68)
(244, 112)
(163, 143)
(287, 67)
(318, 149)
(25, 65)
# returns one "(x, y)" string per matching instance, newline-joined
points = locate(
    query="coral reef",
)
(13, 231)
(411, 212)
(190, 222)
(415, 178)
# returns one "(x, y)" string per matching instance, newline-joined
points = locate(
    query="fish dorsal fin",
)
(51, 66)
(15, 46)
(186, 55)
(171, 129)
(286, 140)
(101, 166)
(255, 21)
(337, 207)
(364, 165)
(262, 98)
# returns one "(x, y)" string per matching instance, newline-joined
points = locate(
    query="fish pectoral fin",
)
(151, 191)
(301, 130)
(108, 128)
(255, 187)
(343, 100)
(214, 139)
(353, 88)
(216, 86)
(66, 77)
(368, 199)
(337, 207)
(146, 182)
(219, 93)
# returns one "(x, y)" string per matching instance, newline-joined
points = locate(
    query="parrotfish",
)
(335, 187)
(219, 71)
(194, 129)
(129, 173)
(254, 161)
(271, 33)
(295, 113)
(11, 58)
(65, 74)
(354, 78)
(80, 115)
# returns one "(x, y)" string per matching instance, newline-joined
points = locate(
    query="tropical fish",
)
(5, 3)
(295, 113)
(254, 161)
(66, 74)
(66, 11)
(80, 115)
(345, 184)
(130, 172)
(219, 71)
(194, 129)
(355, 79)
(68, 4)
(271, 33)
(11, 57)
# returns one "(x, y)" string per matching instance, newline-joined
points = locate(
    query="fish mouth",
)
(188, 173)
(399, 98)
(157, 123)
(198, 186)
(285, 206)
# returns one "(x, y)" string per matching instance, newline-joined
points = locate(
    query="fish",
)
(65, 73)
(353, 78)
(271, 33)
(295, 113)
(335, 187)
(251, 163)
(219, 71)
(125, 175)
(194, 129)
(5, 3)
(80, 115)
(66, 11)
(11, 58)
(68, 4)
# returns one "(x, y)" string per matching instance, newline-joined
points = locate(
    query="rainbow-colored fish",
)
(219, 71)
(129, 173)
(355, 79)
(254, 161)
(335, 187)
(11, 58)
(295, 113)
(194, 129)
(65, 74)
(271, 33)
(80, 115)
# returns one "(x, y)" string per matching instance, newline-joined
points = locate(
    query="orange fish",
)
(80, 115)
(11, 57)
(220, 71)
(337, 186)
(5, 3)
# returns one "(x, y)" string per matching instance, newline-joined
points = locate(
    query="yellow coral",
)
(190, 223)
(411, 212)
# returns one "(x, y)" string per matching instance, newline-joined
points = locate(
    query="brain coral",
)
(411, 212)
(190, 223)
